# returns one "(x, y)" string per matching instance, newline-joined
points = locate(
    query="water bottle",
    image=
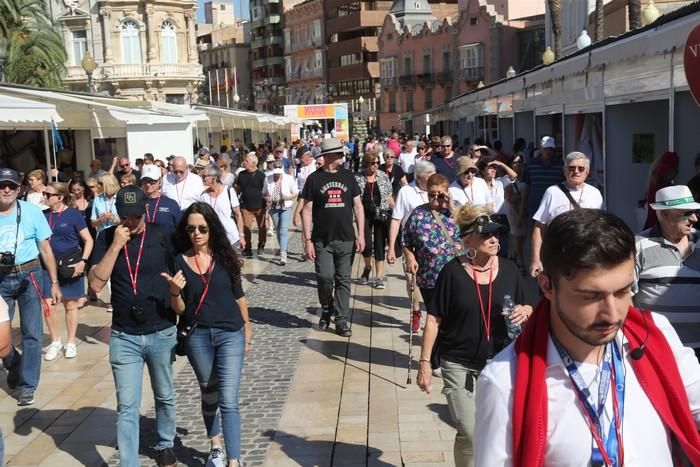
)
(508, 308)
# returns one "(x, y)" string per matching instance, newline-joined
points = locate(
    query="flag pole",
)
(218, 90)
(226, 86)
(211, 100)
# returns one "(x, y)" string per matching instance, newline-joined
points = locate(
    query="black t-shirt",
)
(371, 197)
(462, 334)
(153, 296)
(251, 189)
(395, 177)
(332, 196)
(166, 216)
(219, 308)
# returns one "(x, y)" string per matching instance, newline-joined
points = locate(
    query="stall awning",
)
(15, 111)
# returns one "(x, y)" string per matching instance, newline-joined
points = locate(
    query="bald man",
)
(181, 185)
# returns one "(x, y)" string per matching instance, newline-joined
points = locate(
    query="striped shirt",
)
(669, 284)
(539, 177)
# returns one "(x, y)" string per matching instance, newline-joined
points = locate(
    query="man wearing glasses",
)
(125, 169)
(573, 193)
(667, 264)
(181, 185)
(445, 161)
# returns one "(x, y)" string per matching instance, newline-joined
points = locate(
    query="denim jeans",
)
(333, 270)
(282, 218)
(18, 286)
(460, 402)
(216, 355)
(127, 354)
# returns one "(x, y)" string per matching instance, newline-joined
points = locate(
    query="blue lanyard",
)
(611, 374)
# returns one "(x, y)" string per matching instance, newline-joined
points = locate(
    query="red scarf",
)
(530, 397)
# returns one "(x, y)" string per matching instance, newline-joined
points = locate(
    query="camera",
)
(7, 259)
(138, 315)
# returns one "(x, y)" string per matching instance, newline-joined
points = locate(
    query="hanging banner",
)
(691, 62)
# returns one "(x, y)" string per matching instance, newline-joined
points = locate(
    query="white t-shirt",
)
(184, 192)
(495, 195)
(407, 160)
(569, 440)
(4, 311)
(409, 197)
(476, 194)
(288, 187)
(223, 209)
(555, 202)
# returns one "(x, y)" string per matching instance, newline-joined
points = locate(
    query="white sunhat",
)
(548, 143)
(674, 197)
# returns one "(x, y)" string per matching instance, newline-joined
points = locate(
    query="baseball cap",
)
(548, 143)
(151, 171)
(131, 201)
(9, 175)
(203, 150)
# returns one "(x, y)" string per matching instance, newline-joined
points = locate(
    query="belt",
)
(20, 267)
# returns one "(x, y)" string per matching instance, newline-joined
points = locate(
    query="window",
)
(409, 101)
(408, 65)
(318, 61)
(472, 61)
(288, 39)
(350, 8)
(316, 32)
(79, 45)
(446, 61)
(448, 93)
(474, 20)
(392, 102)
(428, 98)
(131, 42)
(427, 61)
(168, 42)
(350, 59)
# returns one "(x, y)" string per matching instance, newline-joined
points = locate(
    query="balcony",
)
(425, 79)
(267, 41)
(407, 80)
(389, 82)
(137, 71)
(259, 63)
(357, 20)
(445, 76)
(271, 61)
(272, 19)
(473, 73)
(353, 72)
(354, 45)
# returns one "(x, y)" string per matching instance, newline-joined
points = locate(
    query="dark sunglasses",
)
(374, 163)
(477, 226)
(689, 214)
(123, 165)
(49, 195)
(576, 168)
(6, 185)
(440, 196)
(178, 171)
(470, 172)
(190, 229)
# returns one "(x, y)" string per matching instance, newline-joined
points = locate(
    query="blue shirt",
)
(446, 167)
(167, 216)
(65, 230)
(33, 228)
(539, 177)
(101, 205)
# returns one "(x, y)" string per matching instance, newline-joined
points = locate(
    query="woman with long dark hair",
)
(207, 293)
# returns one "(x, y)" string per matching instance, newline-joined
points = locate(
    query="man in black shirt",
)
(133, 255)
(331, 195)
(250, 186)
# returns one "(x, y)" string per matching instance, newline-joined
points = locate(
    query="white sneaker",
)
(71, 351)
(283, 258)
(216, 457)
(52, 351)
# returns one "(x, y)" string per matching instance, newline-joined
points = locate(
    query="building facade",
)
(304, 59)
(427, 64)
(226, 75)
(143, 51)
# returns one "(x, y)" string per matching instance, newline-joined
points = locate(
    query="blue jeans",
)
(282, 218)
(216, 355)
(18, 286)
(127, 354)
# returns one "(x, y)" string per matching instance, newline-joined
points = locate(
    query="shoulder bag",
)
(568, 195)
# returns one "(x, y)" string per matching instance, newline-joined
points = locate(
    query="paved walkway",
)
(308, 397)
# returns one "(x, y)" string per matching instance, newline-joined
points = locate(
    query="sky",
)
(238, 5)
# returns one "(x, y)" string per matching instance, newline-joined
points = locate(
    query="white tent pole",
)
(47, 151)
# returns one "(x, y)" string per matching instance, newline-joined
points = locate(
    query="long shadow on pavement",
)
(277, 318)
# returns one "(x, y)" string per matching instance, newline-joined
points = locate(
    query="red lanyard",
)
(149, 219)
(58, 217)
(133, 276)
(485, 314)
(206, 281)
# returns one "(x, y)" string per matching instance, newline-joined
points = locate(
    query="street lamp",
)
(548, 56)
(510, 73)
(583, 41)
(189, 89)
(236, 99)
(89, 65)
(650, 13)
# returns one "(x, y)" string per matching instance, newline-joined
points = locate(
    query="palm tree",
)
(634, 10)
(35, 52)
(555, 14)
(599, 20)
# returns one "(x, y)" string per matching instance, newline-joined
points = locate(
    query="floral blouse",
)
(384, 187)
(423, 236)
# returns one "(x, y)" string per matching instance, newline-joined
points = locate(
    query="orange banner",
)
(315, 111)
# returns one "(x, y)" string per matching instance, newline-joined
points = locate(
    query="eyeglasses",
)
(123, 165)
(92, 187)
(469, 172)
(576, 168)
(478, 224)
(375, 163)
(6, 185)
(445, 146)
(179, 172)
(190, 229)
(389, 157)
(688, 214)
(440, 196)
(148, 181)
(49, 195)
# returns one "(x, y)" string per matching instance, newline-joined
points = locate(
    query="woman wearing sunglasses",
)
(465, 311)
(207, 294)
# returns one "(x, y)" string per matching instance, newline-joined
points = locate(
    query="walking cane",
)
(411, 287)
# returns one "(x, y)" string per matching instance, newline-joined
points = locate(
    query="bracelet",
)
(424, 360)
(98, 277)
(309, 240)
(175, 295)
(54, 282)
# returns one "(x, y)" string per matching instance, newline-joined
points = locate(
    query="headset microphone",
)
(638, 353)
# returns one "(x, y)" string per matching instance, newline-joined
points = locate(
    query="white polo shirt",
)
(555, 202)
(476, 194)
(409, 197)
(569, 440)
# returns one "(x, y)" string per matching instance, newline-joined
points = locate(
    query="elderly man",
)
(181, 185)
(407, 159)
(124, 169)
(668, 264)
(331, 195)
(541, 173)
(95, 169)
(249, 186)
(446, 161)
(573, 193)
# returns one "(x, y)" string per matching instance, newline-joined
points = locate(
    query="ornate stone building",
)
(143, 50)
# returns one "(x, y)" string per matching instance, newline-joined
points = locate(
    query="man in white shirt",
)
(591, 380)
(573, 193)
(468, 189)
(407, 159)
(181, 185)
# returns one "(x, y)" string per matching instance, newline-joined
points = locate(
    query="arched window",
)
(168, 43)
(131, 42)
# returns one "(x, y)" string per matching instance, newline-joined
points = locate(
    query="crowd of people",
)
(472, 225)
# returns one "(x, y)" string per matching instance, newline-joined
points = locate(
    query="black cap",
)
(131, 201)
(9, 175)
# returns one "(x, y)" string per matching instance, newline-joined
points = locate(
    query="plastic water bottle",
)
(508, 308)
